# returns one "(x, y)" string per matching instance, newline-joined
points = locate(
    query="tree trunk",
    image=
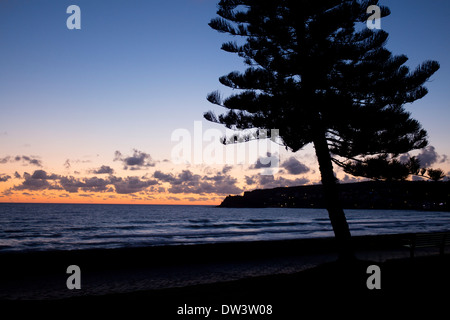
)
(333, 204)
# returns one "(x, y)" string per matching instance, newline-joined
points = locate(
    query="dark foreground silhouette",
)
(332, 289)
(406, 284)
(401, 195)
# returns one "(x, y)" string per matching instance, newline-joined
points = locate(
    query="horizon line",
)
(98, 203)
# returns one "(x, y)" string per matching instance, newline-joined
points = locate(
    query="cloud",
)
(192, 199)
(131, 184)
(404, 158)
(137, 161)
(268, 165)
(41, 180)
(7, 192)
(188, 182)
(250, 180)
(295, 167)
(220, 184)
(29, 160)
(26, 160)
(5, 159)
(428, 156)
(94, 184)
(86, 195)
(67, 164)
(263, 162)
(41, 174)
(4, 178)
(37, 181)
(103, 170)
(226, 169)
(70, 184)
(164, 177)
(184, 182)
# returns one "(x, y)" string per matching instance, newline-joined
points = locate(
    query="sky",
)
(100, 114)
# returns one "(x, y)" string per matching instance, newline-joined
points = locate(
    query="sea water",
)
(25, 227)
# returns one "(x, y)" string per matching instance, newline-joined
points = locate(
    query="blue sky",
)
(137, 70)
(128, 66)
(421, 30)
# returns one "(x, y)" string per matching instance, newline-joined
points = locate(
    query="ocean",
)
(38, 227)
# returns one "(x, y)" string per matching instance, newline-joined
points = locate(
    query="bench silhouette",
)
(427, 240)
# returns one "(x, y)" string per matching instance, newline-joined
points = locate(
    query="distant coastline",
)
(401, 195)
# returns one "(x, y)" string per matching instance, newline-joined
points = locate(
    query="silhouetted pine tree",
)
(320, 76)
(436, 174)
(382, 167)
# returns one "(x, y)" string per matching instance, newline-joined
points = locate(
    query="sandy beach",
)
(278, 273)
